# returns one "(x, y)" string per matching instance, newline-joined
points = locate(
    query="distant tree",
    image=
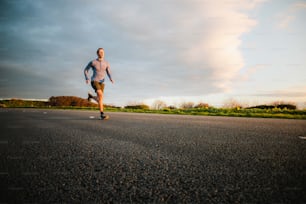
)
(202, 105)
(187, 105)
(262, 107)
(232, 103)
(158, 105)
(140, 106)
(70, 101)
(171, 107)
(16, 102)
(22, 103)
(284, 105)
(277, 104)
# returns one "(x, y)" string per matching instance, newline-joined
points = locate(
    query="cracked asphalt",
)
(63, 156)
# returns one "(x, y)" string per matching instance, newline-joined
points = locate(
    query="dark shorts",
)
(97, 86)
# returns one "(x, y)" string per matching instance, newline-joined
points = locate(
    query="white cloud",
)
(162, 47)
(286, 20)
(250, 72)
(201, 38)
(290, 15)
(299, 5)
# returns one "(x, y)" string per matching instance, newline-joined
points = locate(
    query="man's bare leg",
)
(90, 96)
(100, 100)
(101, 106)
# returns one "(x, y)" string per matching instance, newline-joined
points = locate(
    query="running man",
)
(100, 68)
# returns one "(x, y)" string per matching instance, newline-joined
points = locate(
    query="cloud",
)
(247, 73)
(284, 94)
(298, 5)
(286, 21)
(292, 94)
(156, 48)
(15, 82)
(291, 14)
(200, 39)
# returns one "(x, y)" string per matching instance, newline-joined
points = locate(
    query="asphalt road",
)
(60, 156)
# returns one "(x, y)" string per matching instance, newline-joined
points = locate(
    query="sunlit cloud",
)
(290, 92)
(177, 50)
(290, 15)
(286, 21)
(202, 38)
(249, 72)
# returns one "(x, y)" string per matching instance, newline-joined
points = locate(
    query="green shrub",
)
(61, 101)
(287, 106)
(141, 106)
(278, 106)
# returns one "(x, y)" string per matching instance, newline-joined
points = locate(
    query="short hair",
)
(99, 49)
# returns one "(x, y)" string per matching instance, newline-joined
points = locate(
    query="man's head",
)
(100, 53)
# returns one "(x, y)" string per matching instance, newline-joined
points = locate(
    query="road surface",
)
(62, 156)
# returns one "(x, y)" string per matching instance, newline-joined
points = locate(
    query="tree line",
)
(73, 101)
(54, 101)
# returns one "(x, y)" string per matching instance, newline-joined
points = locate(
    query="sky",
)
(176, 51)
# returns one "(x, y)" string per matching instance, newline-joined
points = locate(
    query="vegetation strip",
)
(71, 102)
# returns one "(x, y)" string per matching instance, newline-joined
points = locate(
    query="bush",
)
(171, 107)
(187, 105)
(232, 104)
(287, 106)
(19, 103)
(279, 106)
(202, 105)
(60, 101)
(158, 105)
(262, 107)
(141, 106)
(2, 105)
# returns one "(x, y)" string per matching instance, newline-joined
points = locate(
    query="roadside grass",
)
(206, 111)
(258, 113)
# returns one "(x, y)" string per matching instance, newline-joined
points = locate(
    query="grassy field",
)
(269, 113)
(208, 111)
